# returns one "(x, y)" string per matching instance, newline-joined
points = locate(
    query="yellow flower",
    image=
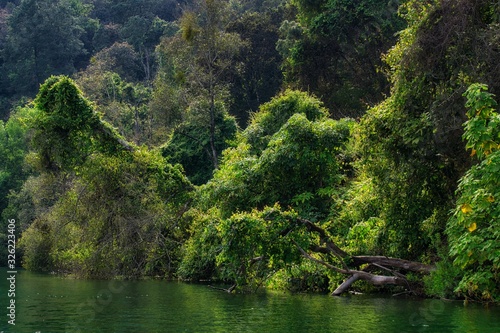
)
(490, 199)
(466, 208)
(472, 227)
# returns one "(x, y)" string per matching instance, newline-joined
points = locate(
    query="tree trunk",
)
(345, 285)
(215, 157)
(394, 262)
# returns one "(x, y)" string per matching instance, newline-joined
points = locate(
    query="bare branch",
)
(394, 262)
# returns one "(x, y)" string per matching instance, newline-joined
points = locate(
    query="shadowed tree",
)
(44, 39)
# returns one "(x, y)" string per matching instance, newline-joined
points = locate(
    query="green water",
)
(52, 304)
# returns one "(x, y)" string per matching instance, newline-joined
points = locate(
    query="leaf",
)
(472, 227)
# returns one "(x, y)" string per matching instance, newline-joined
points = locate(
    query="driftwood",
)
(374, 263)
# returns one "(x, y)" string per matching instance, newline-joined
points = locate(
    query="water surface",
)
(47, 303)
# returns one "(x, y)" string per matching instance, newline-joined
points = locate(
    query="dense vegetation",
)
(282, 143)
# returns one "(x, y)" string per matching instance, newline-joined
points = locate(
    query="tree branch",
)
(394, 262)
(380, 262)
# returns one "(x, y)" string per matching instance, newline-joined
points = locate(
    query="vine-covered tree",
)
(411, 144)
(104, 207)
(241, 232)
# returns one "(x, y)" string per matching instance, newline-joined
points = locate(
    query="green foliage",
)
(300, 165)
(274, 114)
(410, 144)
(297, 165)
(67, 129)
(199, 60)
(406, 174)
(119, 58)
(100, 206)
(363, 236)
(253, 249)
(473, 230)
(201, 248)
(37, 253)
(291, 155)
(124, 104)
(44, 39)
(189, 146)
(13, 149)
(62, 127)
(482, 130)
(13, 171)
(442, 282)
(119, 11)
(259, 77)
(114, 220)
(303, 276)
(32, 200)
(327, 47)
(257, 244)
(117, 208)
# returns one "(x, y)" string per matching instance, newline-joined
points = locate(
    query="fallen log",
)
(375, 262)
(407, 265)
(345, 285)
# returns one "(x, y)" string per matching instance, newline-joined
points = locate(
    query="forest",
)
(310, 146)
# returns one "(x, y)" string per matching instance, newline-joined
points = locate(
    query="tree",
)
(144, 34)
(272, 115)
(13, 148)
(242, 235)
(288, 154)
(4, 15)
(119, 11)
(189, 145)
(260, 76)
(333, 48)
(410, 144)
(200, 58)
(13, 171)
(117, 207)
(258, 244)
(44, 39)
(119, 58)
(67, 129)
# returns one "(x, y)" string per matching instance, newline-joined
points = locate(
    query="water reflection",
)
(53, 304)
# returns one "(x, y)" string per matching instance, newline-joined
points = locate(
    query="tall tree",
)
(4, 15)
(200, 58)
(144, 34)
(474, 228)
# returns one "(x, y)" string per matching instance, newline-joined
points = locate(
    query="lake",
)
(52, 304)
